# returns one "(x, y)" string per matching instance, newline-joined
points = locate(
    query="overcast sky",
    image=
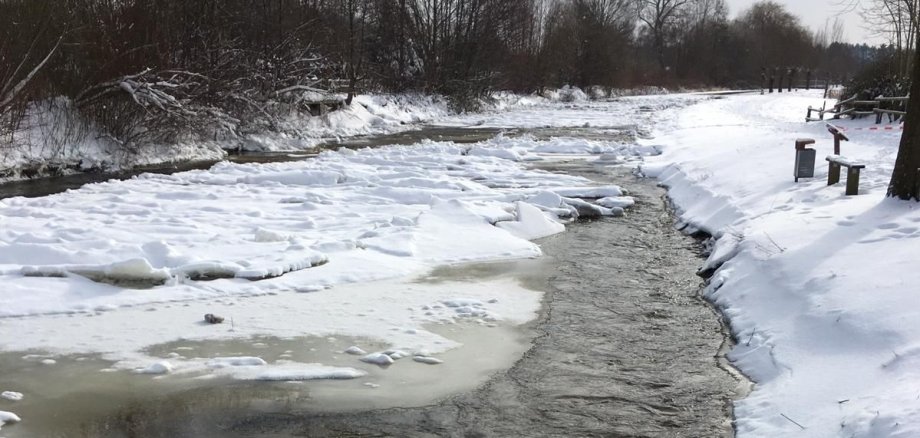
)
(814, 15)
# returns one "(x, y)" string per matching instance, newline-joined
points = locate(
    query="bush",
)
(877, 80)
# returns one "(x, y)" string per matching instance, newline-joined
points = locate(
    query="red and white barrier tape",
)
(874, 128)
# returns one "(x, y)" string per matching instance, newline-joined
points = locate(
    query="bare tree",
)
(25, 50)
(897, 20)
(659, 16)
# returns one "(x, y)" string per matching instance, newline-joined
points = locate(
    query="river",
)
(624, 346)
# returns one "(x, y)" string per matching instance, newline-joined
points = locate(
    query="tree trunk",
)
(905, 180)
(659, 51)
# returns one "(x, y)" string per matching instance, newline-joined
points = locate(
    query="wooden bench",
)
(835, 162)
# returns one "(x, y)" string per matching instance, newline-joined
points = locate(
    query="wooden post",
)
(827, 85)
(852, 181)
(836, 144)
(833, 173)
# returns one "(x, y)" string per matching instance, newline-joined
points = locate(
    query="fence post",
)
(763, 79)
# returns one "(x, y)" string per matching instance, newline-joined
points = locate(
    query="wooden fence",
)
(895, 108)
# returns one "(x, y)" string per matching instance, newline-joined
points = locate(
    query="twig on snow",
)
(792, 421)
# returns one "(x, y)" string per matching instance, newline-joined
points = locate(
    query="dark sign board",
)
(804, 163)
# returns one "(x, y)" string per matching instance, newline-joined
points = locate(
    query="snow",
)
(844, 161)
(294, 372)
(381, 359)
(161, 367)
(427, 360)
(505, 154)
(370, 214)
(8, 418)
(46, 147)
(223, 362)
(531, 223)
(396, 354)
(819, 288)
(11, 395)
(47, 143)
(632, 114)
(616, 202)
(367, 115)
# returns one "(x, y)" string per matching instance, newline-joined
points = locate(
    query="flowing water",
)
(624, 346)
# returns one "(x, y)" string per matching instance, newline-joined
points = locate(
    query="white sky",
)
(815, 13)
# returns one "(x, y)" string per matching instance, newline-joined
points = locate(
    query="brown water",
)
(83, 397)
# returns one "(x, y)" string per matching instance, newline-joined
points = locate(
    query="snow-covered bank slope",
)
(821, 289)
(53, 140)
(367, 115)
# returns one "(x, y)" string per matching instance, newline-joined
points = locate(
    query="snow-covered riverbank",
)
(52, 141)
(820, 288)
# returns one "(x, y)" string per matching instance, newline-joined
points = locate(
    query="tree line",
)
(158, 70)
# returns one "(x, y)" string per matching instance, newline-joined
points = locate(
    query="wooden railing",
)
(894, 107)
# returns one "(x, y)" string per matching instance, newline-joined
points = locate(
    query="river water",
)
(624, 346)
